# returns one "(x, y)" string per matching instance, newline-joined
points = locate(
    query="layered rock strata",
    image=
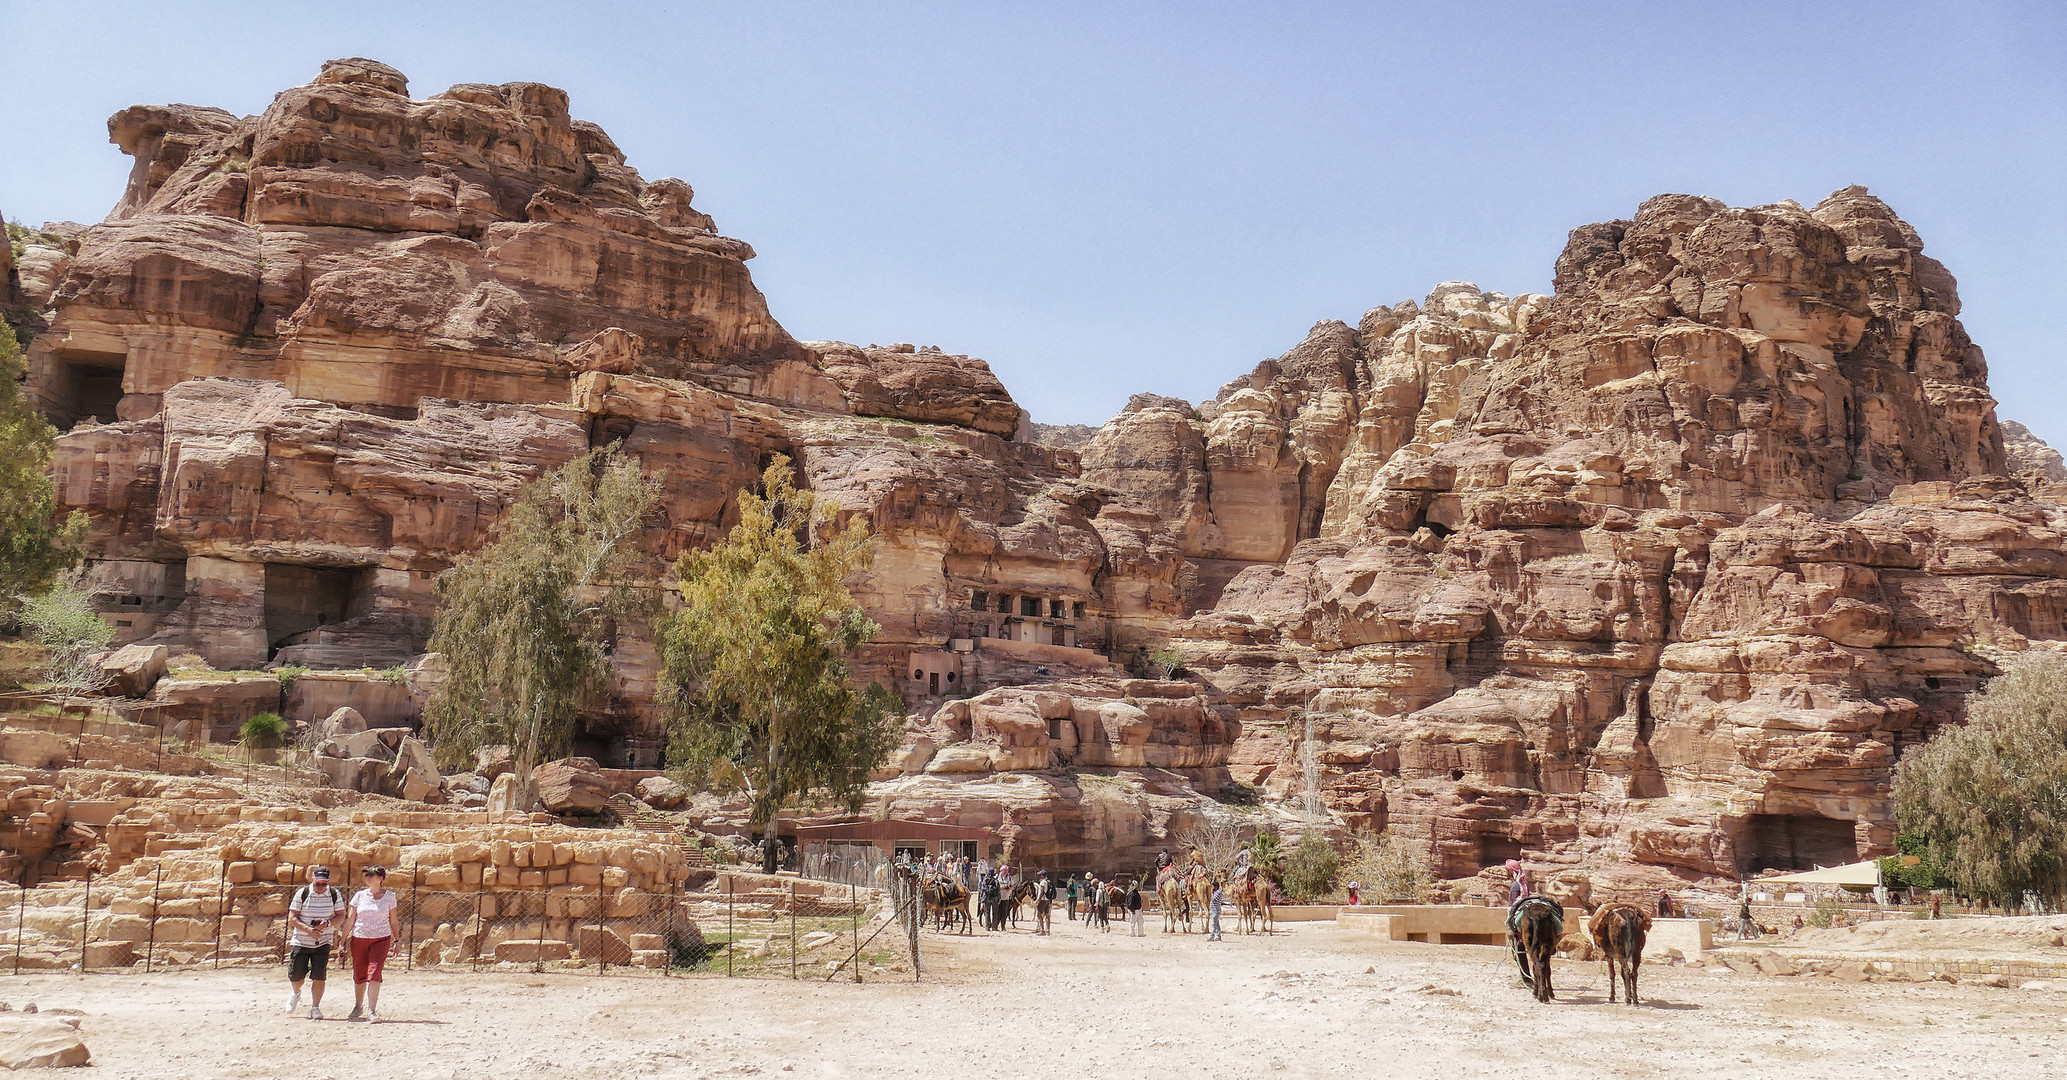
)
(1653, 578)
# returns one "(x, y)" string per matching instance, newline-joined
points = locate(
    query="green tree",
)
(1988, 799)
(33, 548)
(755, 662)
(1311, 867)
(522, 622)
(1267, 854)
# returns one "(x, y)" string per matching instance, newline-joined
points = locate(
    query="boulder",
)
(572, 786)
(493, 761)
(33, 1042)
(344, 721)
(133, 669)
(660, 792)
(960, 759)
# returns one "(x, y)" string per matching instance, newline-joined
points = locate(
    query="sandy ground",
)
(1311, 1000)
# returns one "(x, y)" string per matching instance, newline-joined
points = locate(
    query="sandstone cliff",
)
(1653, 577)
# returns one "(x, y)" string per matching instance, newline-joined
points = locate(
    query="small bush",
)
(288, 676)
(397, 674)
(1166, 660)
(1310, 869)
(63, 621)
(262, 731)
(1389, 869)
(1826, 913)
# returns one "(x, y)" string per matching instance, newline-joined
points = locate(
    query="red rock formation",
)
(1657, 576)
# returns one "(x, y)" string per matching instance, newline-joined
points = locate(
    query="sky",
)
(1104, 199)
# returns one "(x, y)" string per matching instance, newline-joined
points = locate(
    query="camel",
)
(1199, 895)
(1619, 930)
(1252, 903)
(1534, 925)
(1171, 893)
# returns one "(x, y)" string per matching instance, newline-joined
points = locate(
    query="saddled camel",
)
(1171, 892)
(1619, 930)
(1252, 903)
(1198, 892)
(1534, 925)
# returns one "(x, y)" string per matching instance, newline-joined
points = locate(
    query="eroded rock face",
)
(1652, 578)
(1656, 576)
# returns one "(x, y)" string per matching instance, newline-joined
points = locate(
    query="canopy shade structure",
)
(1858, 875)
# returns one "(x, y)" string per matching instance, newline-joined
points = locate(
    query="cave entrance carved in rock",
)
(302, 598)
(1796, 842)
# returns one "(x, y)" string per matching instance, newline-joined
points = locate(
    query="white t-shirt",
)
(370, 913)
(315, 907)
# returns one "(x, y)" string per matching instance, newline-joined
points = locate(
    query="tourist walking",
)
(312, 915)
(1073, 898)
(1137, 925)
(1213, 910)
(375, 921)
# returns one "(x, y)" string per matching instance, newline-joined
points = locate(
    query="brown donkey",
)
(1619, 930)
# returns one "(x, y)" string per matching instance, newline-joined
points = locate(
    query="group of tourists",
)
(313, 918)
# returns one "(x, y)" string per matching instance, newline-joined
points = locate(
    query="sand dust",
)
(1077, 1004)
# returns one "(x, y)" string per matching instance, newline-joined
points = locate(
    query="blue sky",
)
(1102, 199)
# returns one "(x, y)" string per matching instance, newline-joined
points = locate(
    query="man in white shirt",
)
(312, 915)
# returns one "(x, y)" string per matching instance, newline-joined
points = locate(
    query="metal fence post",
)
(912, 925)
(21, 912)
(222, 882)
(602, 933)
(792, 929)
(480, 924)
(85, 918)
(539, 953)
(854, 910)
(731, 937)
(151, 943)
(409, 959)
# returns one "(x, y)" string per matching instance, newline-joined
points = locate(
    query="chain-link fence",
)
(742, 925)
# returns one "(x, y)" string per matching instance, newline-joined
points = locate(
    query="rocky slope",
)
(1652, 578)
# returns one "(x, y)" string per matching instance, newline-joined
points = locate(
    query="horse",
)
(1171, 892)
(1534, 925)
(1619, 930)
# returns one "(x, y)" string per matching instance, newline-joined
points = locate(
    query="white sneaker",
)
(294, 1005)
(373, 1018)
(315, 1013)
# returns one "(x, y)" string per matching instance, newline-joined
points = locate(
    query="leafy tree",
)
(33, 549)
(755, 663)
(1913, 866)
(1267, 854)
(61, 619)
(1988, 799)
(1310, 869)
(521, 623)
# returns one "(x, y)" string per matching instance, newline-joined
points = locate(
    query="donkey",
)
(1619, 930)
(1534, 925)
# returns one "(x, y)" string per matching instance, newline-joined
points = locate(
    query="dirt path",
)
(1310, 1001)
